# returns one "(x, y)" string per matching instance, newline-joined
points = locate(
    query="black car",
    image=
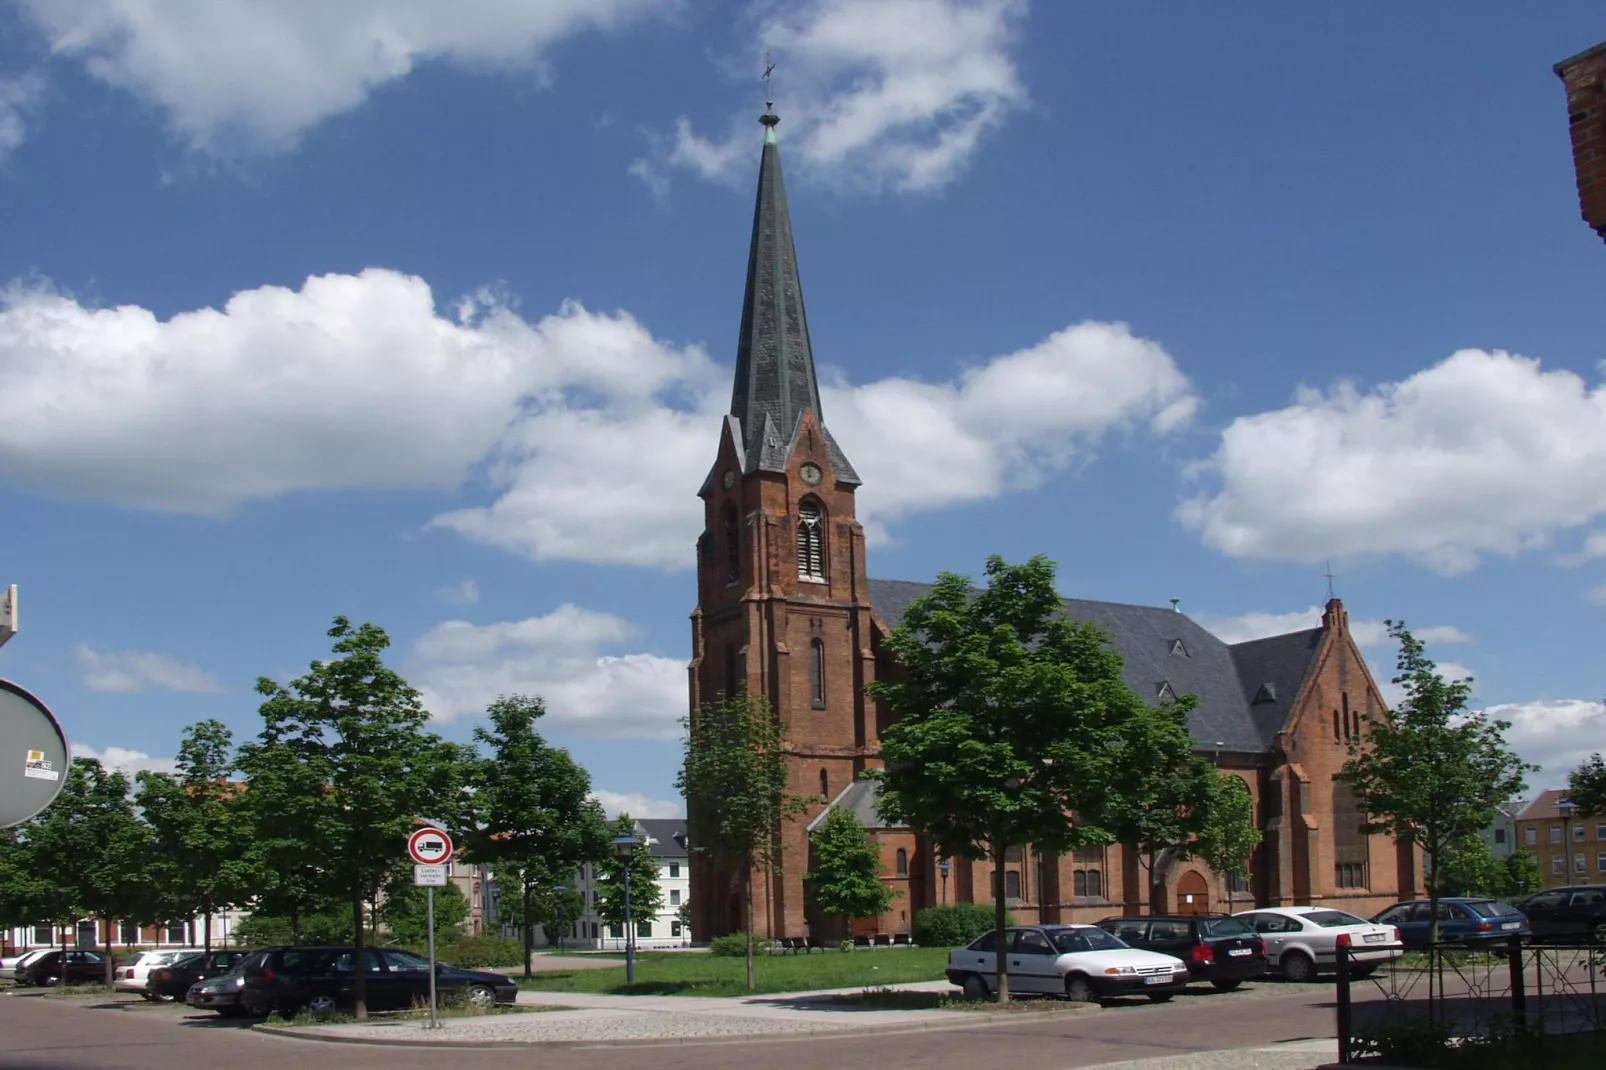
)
(64, 968)
(321, 979)
(173, 981)
(222, 993)
(1222, 950)
(1574, 913)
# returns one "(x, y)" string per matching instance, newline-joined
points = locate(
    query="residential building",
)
(90, 933)
(786, 609)
(665, 848)
(1571, 847)
(1502, 835)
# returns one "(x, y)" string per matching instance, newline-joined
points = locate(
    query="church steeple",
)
(775, 378)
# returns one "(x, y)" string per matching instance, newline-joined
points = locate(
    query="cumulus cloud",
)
(466, 593)
(877, 93)
(130, 671)
(1243, 627)
(460, 668)
(1555, 734)
(126, 761)
(254, 75)
(1484, 453)
(636, 804)
(19, 98)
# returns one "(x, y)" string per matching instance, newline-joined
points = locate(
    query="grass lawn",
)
(680, 974)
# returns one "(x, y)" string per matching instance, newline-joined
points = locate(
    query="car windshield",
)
(1333, 919)
(406, 960)
(1492, 908)
(1089, 939)
(1225, 927)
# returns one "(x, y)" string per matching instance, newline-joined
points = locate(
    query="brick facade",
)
(1584, 77)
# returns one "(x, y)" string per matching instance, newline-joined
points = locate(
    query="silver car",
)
(1081, 962)
(1303, 942)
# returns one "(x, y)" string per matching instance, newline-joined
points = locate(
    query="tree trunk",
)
(1433, 897)
(359, 983)
(1000, 921)
(529, 931)
(752, 980)
(206, 926)
(111, 968)
(295, 923)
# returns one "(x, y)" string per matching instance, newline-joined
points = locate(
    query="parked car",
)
(63, 967)
(133, 974)
(1081, 962)
(222, 993)
(1222, 950)
(173, 980)
(21, 962)
(1303, 942)
(1461, 920)
(1576, 912)
(320, 979)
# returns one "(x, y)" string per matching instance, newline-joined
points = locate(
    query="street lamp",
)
(943, 867)
(561, 890)
(1566, 808)
(625, 845)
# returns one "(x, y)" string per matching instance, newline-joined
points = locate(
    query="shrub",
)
(952, 926)
(472, 952)
(732, 946)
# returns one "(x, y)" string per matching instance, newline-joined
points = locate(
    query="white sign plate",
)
(429, 876)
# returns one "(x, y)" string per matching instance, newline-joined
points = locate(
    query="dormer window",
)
(1267, 693)
(1166, 694)
(810, 541)
(1177, 649)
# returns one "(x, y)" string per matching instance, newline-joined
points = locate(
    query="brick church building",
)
(786, 609)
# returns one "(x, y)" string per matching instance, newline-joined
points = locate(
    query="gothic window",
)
(733, 544)
(1012, 884)
(825, 786)
(1350, 727)
(1337, 735)
(810, 541)
(1079, 883)
(817, 673)
(902, 863)
(1095, 884)
(1349, 842)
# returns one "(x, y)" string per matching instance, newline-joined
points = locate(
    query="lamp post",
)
(1566, 808)
(625, 845)
(561, 890)
(943, 867)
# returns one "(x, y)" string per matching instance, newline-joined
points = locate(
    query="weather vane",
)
(769, 93)
(1328, 572)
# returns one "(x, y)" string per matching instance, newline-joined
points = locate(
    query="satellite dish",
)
(33, 755)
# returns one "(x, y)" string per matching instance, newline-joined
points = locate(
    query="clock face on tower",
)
(729, 480)
(810, 473)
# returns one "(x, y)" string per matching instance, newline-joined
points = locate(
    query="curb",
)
(985, 1021)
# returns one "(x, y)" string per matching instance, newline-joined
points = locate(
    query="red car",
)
(64, 967)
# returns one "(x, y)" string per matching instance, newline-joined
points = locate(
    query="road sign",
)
(429, 876)
(429, 847)
(33, 755)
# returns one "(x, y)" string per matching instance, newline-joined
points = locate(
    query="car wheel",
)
(1298, 967)
(147, 997)
(321, 1005)
(1079, 990)
(1597, 932)
(1223, 985)
(1160, 997)
(481, 997)
(976, 988)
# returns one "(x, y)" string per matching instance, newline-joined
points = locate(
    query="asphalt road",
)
(52, 1033)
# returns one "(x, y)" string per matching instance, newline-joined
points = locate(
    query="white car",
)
(134, 974)
(21, 962)
(1303, 942)
(1081, 962)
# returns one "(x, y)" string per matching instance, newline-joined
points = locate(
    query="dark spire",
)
(775, 379)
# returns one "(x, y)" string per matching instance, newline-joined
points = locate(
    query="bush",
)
(953, 926)
(732, 946)
(472, 952)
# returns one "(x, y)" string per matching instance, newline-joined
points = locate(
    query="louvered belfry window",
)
(810, 542)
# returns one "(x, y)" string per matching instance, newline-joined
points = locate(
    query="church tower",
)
(783, 608)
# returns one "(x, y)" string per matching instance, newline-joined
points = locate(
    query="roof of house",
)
(1545, 806)
(1245, 690)
(666, 836)
(860, 798)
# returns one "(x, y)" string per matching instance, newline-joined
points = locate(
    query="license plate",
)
(1237, 951)
(1376, 938)
(1157, 979)
(1512, 925)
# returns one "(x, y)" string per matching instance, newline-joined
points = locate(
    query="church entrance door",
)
(1193, 893)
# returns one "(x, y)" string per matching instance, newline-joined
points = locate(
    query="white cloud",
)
(1366, 633)
(466, 593)
(126, 761)
(253, 75)
(637, 805)
(1484, 453)
(1556, 734)
(592, 434)
(19, 97)
(461, 668)
(129, 671)
(875, 93)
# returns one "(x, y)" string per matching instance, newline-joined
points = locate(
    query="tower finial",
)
(769, 118)
(1328, 572)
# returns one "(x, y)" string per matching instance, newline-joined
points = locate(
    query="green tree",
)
(200, 826)
(845, 873)
(404, 909)
(1470, 868)
(1521, 874)
(734, 779)
(359, 731)
(646, 896)
(1228, 836)
(1586, 787)
(1434, 772)
(99, 847)
(292, 824)
(1010, 721)
(533, 819)
(24, 892)
(545, 905)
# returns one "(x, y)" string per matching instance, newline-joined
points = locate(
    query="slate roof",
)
(666, 835)
(860, 797)
(775, 378)
(1226, 678)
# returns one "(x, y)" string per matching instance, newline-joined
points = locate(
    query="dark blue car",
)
(1462, 920)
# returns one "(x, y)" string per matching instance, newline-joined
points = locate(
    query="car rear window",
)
(1088, 939)
(1333, 919)
(1492, 908)
(186, 961)
(1213, 927)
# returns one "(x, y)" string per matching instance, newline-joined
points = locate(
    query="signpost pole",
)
(434, 1021)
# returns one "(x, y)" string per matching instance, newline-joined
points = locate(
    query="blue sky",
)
(427, 318)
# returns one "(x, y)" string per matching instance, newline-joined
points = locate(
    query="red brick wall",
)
(1584, 76)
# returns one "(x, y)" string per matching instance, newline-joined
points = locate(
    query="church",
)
(786, 610)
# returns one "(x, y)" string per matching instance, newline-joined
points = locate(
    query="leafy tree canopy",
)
(1586, 787)
(646, 895)
(845, 872)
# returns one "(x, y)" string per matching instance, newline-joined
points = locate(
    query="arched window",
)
(1351, 728)
(825, 786)
(902, 863)
(1095, 884)
(817, 673)
(1012, 884)
(810, 541)
(1337, 737)
(733, 544)
(1079, 882)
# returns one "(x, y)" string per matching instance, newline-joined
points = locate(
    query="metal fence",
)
(1455, 991)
